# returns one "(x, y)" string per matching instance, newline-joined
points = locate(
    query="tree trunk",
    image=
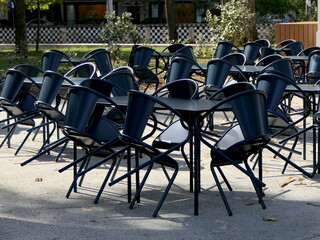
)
(253, 34)
(38, 26)
(171, 20)
(21, 45)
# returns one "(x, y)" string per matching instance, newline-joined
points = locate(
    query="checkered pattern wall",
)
(151, 33)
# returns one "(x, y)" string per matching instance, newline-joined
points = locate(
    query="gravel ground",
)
(33, 203)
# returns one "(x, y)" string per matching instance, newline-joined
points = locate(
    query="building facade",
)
(71, 12)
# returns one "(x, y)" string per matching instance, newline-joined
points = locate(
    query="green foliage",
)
(32, 5)
(202, 49)
(311, 14)
(119, 29)
(232, 24)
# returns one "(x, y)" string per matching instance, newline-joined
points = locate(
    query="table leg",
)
(196, 166)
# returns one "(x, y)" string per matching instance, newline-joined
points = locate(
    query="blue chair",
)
(140, 63)
(139, 112)
(240, 141)
(251, 51)
(17, 101)
(223, 48)
(313, 68)
(101, 58)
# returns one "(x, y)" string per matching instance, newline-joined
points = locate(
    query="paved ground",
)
(33, 203)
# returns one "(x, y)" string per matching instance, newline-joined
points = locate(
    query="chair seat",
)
(170, 137)
(278, 121)
(234, 145)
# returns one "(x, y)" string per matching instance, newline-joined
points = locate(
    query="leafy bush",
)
(119, 29)
(232, 24)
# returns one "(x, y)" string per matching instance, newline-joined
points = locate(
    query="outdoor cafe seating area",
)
(162, 109)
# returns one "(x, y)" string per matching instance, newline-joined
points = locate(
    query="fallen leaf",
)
(313, 204)
(268, 218)
(285, 183)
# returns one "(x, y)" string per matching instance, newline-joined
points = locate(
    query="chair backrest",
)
(173, 47)
(101, 58)
(249, 107)
(282, 67)
(314, 62)
(51, 60)
(51, 84)
(123, 79)
(266, 51)
(251, 51)
(223, 49)
(274, 86)
(133, 48)
(313, 68)
(294, 48)
(141, 57)
(85, 70)
(180, 67)
(217, 73)
(84, 122)
(307, 51)
(138, 113)
(82, 102)
(251, 113)
(29, 70)
(284, 43)
(181, 88)
(235, 58)
(12, 84)
(269, 59)
(186, 51)
(263, 42)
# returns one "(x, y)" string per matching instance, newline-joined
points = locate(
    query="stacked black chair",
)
(50, 86)
(308, 51)
(50, 60)
(18, 101)
(101, 57)
(181, 67)
(263, 42)
(251, 51)
(140, 110)
(313, 68)
(172, 48)
(88, 128)
(266, 51)
(224, 48)
(280, 122)
(240, 141)
(176, 132)
(140, 62)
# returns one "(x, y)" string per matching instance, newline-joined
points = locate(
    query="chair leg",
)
(73, 185)
(52, 146)
(105, 181)
(220, 189)
(164, 195)
(141, 186)
(117, 166)
(21, 145)
(224, 178)
(8, 136)
(289, 162)
(290, 154)
(62, 150)
(185, 157)
(85, 167)
(258, 192)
